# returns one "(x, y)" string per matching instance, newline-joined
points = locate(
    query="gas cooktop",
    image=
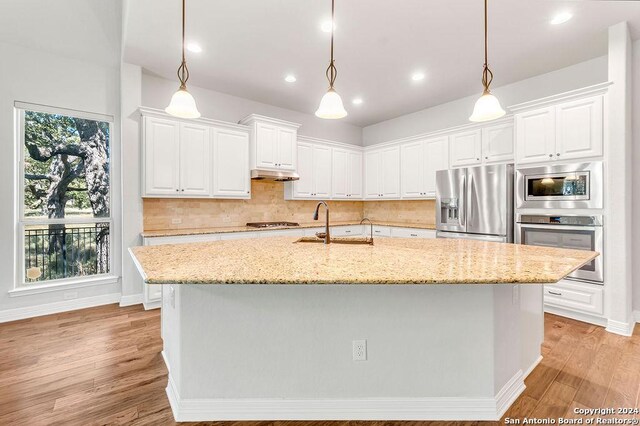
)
(271, 224)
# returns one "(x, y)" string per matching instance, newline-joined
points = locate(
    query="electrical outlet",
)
(359, 350)
(176, 221)
(71, 295)
(516, 294)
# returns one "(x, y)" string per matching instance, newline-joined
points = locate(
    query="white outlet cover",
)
(359, 350)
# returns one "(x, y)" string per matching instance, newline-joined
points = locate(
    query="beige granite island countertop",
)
(280, 260)
(319, 224)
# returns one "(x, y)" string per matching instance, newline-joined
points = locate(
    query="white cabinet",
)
(566, 131)
(412, 233)
(466, 148)
(498, 144)
(382, 173)
(535, 136)
(314, 168)
(419, 162)
(576, 296)
(161, 156)
(231, 174)
(346, 175)
(195, 160)
(176, 158)
(273, 142)
(579, 132)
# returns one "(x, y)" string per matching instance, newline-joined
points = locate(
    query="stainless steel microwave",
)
(577, 185)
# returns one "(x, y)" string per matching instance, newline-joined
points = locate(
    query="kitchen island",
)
(264, 329)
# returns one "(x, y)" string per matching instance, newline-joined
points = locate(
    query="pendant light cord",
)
(332, 72)
(183, 71)
(487, 75)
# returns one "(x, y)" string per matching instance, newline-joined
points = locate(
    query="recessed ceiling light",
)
(290, 78)
(561, 18)
(417, 76)
(327, 25)
(194, 47)
(357, 101)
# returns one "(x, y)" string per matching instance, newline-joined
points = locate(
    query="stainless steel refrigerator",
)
(475, 203)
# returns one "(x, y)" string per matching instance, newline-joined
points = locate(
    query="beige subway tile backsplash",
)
(267, 203)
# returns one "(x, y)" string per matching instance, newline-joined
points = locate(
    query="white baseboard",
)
(131, 299)
(621, 328)
(578, 316)
(57, 307)
(530, 369)
(636, 316)
(445, 408)
(152, 305)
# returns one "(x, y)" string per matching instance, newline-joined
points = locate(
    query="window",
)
(65, 210)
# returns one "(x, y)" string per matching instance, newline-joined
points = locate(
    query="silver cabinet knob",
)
(177, 190)
(550, 155)
(486, 158)
(182, 190)
(558, 154)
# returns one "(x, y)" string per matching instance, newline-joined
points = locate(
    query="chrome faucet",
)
(370, 223)
(327, 237)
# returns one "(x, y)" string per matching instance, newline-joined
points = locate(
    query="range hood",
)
(275, 175)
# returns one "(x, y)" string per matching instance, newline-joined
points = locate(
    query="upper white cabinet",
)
(176, 158)
(382, 173)
(420, 160)
(314, 168)
(346, 181)
(273, 142)
(466, 148)
(487, 145)
(194, 158)
(565, 131)
(231, 174)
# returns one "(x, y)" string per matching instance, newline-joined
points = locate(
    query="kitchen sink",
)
(337, 240)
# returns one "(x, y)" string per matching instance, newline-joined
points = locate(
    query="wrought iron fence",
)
(63, 251)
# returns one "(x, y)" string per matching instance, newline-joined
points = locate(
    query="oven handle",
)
(565, 227)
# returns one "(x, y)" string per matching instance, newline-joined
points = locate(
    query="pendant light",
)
(331, 104)
(182, 103)
(487, 107)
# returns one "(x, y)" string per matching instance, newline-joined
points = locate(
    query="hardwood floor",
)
(103, 366)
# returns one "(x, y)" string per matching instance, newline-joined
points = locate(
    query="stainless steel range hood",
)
(275, 175)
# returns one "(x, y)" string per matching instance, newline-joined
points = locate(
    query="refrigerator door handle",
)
(470, 200)
(462, 208)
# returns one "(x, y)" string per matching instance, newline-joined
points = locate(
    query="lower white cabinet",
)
(575, 296)
(346, 231)
(412, 233)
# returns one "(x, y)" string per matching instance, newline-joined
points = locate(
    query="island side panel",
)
(275, 341)
(531, 325)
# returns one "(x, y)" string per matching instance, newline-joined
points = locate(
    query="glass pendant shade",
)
(183, 105)
(487, 108)
(331, 106)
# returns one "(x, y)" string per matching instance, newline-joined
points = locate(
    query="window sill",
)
(26, 290)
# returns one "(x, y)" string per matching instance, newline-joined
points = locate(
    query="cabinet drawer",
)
(346, 231)
(576, 296)
(282, 233)
(413, 233)
(380, 231)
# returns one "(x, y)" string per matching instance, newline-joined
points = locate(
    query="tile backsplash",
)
(267, 203)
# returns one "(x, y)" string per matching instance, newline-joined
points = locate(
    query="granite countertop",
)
(279, 260)
(318, 224)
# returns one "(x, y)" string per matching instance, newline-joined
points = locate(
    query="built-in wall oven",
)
(559, 187)
(570, 232)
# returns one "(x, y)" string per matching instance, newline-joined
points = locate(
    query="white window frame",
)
(21, 285)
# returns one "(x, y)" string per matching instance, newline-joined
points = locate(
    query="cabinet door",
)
(436, 157)
(161, 157)
(354, 173)
(412, 169)
(579, 132)
(497, 144)
(303, 188)
(372, 175)
(231, 175)
(321, 171)
(390, 172)
(195, 160)
(535, 136)
(340, 173)
(286, 141)
(466, 148)
(266, 146)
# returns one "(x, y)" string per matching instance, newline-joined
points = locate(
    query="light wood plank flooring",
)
(103, 366)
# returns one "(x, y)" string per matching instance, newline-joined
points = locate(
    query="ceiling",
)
(249, 46)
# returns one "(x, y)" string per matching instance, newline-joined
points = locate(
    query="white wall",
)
(636, 176)
(457, 112)
(50, 79)
(157, 91)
